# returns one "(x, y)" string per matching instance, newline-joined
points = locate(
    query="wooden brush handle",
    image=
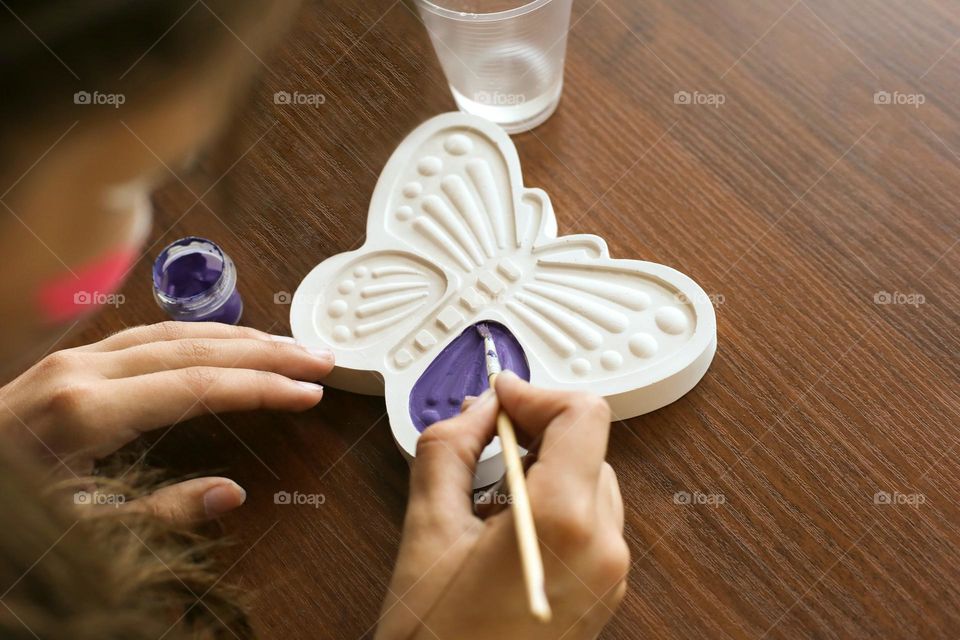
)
(523, 517)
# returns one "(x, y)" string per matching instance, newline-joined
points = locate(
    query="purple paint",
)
(461, 370)
(195, 281)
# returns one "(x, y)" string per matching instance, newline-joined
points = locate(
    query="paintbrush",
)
(522, 515)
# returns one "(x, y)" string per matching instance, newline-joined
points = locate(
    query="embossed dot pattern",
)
(580, 366)
(341, 333)
(611, 360)
(671, 320)
(429, 165)
(643, 345)
(458, 144)
(641, 300)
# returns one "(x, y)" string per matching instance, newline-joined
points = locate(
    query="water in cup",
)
(506, 63)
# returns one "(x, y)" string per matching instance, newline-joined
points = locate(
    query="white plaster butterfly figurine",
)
(454, 238)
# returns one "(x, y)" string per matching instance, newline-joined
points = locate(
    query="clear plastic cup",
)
(503, 58)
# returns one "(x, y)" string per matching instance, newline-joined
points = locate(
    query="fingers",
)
(288, 359)
(191, 501)
(609, 499)
(168, 397)
(447, 454)
(574, 426)
(165, 331)
(91, 400)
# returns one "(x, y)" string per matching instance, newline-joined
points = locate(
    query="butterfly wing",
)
(447, 207)
(450, 192)
(640, 334)
(360, 304)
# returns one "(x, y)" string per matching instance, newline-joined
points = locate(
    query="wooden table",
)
(823, 224)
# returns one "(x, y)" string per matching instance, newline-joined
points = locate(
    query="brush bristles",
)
(483, 330)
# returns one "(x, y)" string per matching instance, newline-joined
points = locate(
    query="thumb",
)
(441, 480)
(190, 501)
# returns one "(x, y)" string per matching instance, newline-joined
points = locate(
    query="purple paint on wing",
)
(461, 370)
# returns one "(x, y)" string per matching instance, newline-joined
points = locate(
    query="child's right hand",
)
(458, 576)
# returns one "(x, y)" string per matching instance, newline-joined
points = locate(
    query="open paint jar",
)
(195, 281)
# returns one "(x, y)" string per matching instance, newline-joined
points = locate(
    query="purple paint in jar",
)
(195, 281)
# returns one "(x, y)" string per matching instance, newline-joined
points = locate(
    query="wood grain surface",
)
(808, 486)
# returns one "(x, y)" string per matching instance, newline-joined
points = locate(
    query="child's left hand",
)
(79, 405)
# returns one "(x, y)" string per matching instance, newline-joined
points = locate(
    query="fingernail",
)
(322, 354)
(506, 373)
(481, 399)
(223, 498)
(286, 339)
(309, 386)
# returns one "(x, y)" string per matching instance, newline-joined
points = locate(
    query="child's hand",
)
(79, 405)
(458, 576)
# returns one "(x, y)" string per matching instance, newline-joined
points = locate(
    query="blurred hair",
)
(51, 49)
(97, 573)
(64, 575)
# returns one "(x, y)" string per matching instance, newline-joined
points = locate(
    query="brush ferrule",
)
(490, 353)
